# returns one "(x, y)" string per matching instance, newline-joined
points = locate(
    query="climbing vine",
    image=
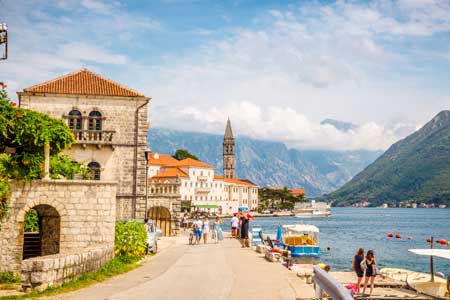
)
(23, 135)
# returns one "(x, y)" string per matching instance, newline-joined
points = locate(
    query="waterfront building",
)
(192, 183)
(109, 122)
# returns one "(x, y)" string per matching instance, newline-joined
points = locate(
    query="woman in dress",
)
(371, 264)
(358, 266)
(218, 236)
(205, 229)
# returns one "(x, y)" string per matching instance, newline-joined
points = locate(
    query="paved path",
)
(212, 271)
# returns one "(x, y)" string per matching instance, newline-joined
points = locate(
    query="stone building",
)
(109, 122)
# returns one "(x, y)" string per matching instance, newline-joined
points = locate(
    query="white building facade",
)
(199, 186)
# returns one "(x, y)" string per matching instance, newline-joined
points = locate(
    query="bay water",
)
(350, 228)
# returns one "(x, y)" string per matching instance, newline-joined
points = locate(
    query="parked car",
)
(152, 239)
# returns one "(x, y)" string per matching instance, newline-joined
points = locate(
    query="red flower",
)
(5, 196)
(25, 162)
(13, 104)
(18, 116)
(42, 166)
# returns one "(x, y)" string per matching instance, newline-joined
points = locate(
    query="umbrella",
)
(443, 253)
(279, 235)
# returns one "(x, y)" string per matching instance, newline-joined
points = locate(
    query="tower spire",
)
(228, 131)
(228, 153)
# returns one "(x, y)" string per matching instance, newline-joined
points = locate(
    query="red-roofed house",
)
(109, 122)
(194, 182)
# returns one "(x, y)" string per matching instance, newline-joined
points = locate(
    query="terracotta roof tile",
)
(297, 191)
(161, 159)
(218, 177)
(83, 82)
(189, 162)
(170, 173)
(239, 181)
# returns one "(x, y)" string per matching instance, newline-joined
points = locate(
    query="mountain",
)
(416, 169)
(339, 125)
(269, 163)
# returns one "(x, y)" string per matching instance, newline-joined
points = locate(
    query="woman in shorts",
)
(358, 266)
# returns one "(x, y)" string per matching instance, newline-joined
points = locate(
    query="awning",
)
(432, 252)
(206, 206)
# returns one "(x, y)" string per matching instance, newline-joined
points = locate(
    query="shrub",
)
(130, 240)
(9, 277)
(31, 221)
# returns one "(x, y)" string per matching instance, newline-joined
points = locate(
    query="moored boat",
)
(312, 209)
(301, 239)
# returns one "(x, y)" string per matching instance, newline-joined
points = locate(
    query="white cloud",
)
(87, 53)
(276, 80)
(286, 124)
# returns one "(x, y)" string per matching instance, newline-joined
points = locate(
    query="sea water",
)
(350, 228)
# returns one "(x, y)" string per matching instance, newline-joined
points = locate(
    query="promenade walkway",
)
(211, 271)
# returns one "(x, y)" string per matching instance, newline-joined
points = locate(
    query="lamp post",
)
(4, 39)
(147, 153)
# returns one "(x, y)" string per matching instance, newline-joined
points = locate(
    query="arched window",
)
(75, 120)
(95, 169)
(95, 120)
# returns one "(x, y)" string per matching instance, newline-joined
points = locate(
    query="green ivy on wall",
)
(23, 135)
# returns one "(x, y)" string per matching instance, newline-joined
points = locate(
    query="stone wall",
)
(116, 159)
(86, 209)
(39, 273)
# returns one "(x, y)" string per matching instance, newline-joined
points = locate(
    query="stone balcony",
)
(94, 137)
(201, 190)
(202, 178)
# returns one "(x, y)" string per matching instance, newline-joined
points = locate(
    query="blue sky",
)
(277, 68)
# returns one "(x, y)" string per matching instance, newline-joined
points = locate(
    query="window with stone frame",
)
(95, 120)
(75, 121)
(95, 169)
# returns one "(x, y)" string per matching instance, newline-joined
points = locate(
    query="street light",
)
(147, 153)
(4, 39)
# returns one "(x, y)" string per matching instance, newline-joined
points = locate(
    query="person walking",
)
(197, 224)
(218, 236)
(205, 229)
(358, 266)
(234, 226)
(371, 270)
(244, 231)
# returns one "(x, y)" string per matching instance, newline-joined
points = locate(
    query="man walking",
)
(198, 224)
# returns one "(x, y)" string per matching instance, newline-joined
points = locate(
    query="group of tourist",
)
(201, 229)
(239, 228)
(365, 267)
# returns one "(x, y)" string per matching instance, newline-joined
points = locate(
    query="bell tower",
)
(228, 153)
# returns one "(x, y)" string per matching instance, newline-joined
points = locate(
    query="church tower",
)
(228, 153)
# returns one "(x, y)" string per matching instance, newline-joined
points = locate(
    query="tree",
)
(23, 135)
(278, 198)
(181, 154)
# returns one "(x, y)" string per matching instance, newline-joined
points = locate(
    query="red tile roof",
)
(83, 82)
(218, 177)
(239, 181)
(297, 192)
(161, 159)
(189, 162)
(169, 173)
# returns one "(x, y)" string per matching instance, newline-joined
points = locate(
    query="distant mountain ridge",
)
(269, 163)
(416, 169)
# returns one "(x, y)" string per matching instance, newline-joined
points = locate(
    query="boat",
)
(312, 209)
(301, 239)
(435, 287)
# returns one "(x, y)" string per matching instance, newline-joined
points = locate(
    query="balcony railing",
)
(202, 178)
(203, 190)
(96, 137)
